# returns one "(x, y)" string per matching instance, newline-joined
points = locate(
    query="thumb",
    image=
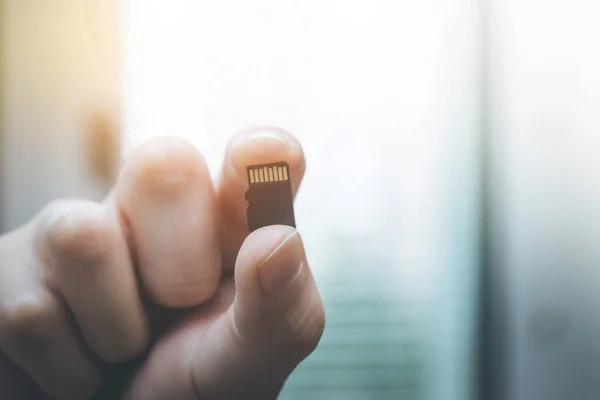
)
(277, 307)
(276, 320)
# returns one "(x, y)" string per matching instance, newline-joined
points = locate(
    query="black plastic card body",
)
(270, 196)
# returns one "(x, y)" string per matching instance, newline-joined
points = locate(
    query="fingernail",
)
(259, 145)
(267, 133)
(282, 266)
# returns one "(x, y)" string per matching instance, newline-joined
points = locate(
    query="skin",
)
(159, 292)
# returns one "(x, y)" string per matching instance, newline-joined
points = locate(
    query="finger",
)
(251, 147)
(37, 337)
(166, 371)
(166, 194)
(249, 350)
(92, 268)
(35, 330)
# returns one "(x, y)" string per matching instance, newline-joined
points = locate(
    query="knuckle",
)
(124, 351)
(167, 166)
(53, 210)
(80, 232)
(31, 316)
(175, 292)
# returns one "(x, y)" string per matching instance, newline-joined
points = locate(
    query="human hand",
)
(165, 272)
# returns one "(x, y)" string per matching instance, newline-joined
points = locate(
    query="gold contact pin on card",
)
(269, 173)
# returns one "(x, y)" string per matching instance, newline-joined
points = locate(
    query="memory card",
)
(270, 196)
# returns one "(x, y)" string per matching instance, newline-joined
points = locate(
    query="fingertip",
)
(254, 146)
(262, 136)
(263, 145)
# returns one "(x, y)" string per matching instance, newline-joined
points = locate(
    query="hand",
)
(149, 274)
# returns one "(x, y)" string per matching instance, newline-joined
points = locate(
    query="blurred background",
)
(451, 207)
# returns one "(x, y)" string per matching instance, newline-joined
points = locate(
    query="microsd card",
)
(270, 196)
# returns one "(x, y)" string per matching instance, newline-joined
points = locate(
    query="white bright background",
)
(383, 96)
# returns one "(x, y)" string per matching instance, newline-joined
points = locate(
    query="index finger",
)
(251, 147)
